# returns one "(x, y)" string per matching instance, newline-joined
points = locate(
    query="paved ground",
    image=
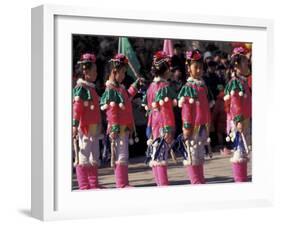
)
(217, 170)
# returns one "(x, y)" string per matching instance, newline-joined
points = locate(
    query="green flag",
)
(125, 48)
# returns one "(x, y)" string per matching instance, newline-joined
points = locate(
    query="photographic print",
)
(160, 112)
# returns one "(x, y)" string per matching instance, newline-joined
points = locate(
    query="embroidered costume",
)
(193, 100)
(158, 102)
(116, 101)
(86, 116)
(238, 105)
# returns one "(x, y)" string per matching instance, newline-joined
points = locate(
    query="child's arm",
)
(80, 95)
(112, 101)
(187, 103)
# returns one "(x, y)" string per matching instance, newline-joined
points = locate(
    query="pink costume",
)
(158, 102)
(86, 115)
(195, 115)
(239, 109)
(116, 101)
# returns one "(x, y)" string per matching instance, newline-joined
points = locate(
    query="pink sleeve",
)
(187, 112)
(236, 105)
(132, 91)
(167, 114)
(78, 109)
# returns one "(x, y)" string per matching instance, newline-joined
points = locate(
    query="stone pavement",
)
(217, 170)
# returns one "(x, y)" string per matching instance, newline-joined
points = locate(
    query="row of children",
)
(159, 101)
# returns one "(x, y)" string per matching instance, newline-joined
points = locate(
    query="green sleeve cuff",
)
(75, 122)
(187, 125)
(238, 118)
(168, 129)
(115, 128)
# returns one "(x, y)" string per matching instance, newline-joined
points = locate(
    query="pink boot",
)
(82, 177)
(240, 171)
(155, 174)
(162, 175)
(195, 173)
(121, 176)
(93, 177)
(201, 170)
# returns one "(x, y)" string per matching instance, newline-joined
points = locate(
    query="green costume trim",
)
(111, 95)
(115, 128)
(75, 122)
(238, 118)
(165, 92)
(234, 84)
(188, 91)
(144, 99)
(82, 92)
(168, 129)
(187, 125)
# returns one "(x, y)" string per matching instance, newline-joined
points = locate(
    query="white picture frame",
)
(52, 197)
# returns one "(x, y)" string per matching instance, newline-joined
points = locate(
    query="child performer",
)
(116, 100)
(87, 124)
(193, 99)
(238, 108)
(158, 102)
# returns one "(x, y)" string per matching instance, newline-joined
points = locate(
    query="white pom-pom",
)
(146, 107)
(208, 140)
(86, 103)
(232, 92)
(166, 99)
(161, 102)
(233, 74)
(104, 107)
(182, 99)
(112, 103)
(107, 83)
(131, 141)
(76, 98)
(175, 102)
(137, 139)
(192, 142)
(149, 142)
(191, 100)
(122, 106)
(154, 105)
(180, 104)
(231, 135)
(226, 97)
(121, 142)
(227, 139)
(199, 142)
(92, 107)
(241, 93)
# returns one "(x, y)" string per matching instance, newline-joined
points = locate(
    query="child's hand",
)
(239, 127)
(187, 133)
(74, 131)
(113, 135)
(168, 138)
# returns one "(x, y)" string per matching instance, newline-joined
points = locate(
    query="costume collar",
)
(159, 79)
(81, 81)
(196, 81)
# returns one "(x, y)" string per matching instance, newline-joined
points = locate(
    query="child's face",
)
(91, 74)
(120, 74)
(195, 70)
(243, 68)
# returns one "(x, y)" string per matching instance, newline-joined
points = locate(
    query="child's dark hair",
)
(161, 63)
(193, 56)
